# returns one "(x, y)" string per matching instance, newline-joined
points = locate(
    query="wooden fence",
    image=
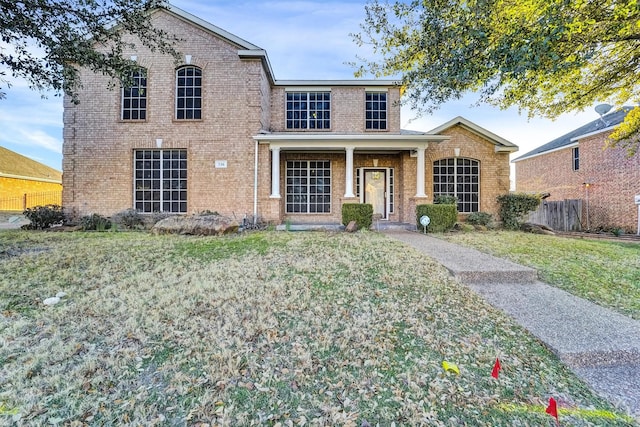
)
(565, 215)
(29, 200)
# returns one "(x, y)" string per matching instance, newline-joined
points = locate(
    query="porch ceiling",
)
(359, 142)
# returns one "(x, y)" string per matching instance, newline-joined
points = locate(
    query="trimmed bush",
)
(480, 218)
(445, 199)
(361, 213)
(95, 222)
(443, 216)
(514, 206)
(42, 217)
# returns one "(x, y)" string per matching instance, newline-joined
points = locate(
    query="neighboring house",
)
(25, 182)
(219, 132)
(578, 166)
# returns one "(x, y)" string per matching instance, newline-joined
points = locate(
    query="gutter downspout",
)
(255, 186)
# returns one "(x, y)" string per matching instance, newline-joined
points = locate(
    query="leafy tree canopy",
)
(547, 57)
(46, 42)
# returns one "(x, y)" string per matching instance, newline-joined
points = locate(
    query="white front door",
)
(375, 190)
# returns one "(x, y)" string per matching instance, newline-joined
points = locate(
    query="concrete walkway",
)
(602, 347)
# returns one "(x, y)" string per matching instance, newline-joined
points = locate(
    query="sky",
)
(304, 40)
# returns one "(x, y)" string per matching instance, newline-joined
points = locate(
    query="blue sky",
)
(304, 39)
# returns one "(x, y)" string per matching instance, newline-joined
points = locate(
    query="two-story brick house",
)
(578, 165)
(219, 132)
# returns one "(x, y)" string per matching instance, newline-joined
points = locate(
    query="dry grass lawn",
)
(604, 272)
(262, 329)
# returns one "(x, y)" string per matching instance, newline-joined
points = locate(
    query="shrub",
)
(514, 206)
(129, 219)
(95, 222)
(42, 217)
(480, 218)
(361, 213)
(443, 216)
(445, 199)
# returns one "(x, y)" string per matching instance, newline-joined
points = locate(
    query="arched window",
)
(458, 177)
(188, 93)
(134, 97)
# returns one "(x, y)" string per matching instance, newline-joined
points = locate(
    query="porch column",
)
(275, 172)
(348, 192)
(420, 173)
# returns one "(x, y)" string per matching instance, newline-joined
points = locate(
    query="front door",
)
(375, 190)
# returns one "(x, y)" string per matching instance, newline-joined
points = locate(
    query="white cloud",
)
(29, 121)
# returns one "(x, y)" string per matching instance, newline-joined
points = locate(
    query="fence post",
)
(24, 202)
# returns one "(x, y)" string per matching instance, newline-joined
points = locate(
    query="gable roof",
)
(249, 50)
(607, 122)
(14, 165)
(245, 49)
(502, 145)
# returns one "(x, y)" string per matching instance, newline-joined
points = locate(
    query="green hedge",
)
(514, 206)
(443, 217)
(361, 213)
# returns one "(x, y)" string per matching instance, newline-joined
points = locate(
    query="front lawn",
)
(262, 329)
(604, 272)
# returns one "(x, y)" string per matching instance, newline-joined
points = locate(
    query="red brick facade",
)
(240, 102)
(606, 177)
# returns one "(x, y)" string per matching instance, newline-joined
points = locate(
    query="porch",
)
(312, 175)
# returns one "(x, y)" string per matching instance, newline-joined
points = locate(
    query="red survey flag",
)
(496, 368)
(552, 409)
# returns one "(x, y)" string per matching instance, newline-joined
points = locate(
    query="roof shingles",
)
(15, 164)
(607, 121)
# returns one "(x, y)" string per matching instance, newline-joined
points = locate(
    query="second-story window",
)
(134, 97)
(189, 93)
(376, 111)
(576, 158)
(308, 110)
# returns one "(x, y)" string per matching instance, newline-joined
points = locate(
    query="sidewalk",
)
(13, 222)
(602, 347)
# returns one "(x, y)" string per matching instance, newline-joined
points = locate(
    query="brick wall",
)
(13, 190)
(15, 187)
(494, 167)
(98, 147)
(347, 110)
(613, 180)
(238, 101)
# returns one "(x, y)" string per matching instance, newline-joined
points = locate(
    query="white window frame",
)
(191, 99)
(135, 96)
(305, 174)
(455, 179)
(376, 113)
(575, 157)
(307, 118)
(160, 180)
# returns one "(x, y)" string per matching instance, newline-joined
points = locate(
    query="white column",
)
(275, 172)
(420, 173)
(348, 192)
